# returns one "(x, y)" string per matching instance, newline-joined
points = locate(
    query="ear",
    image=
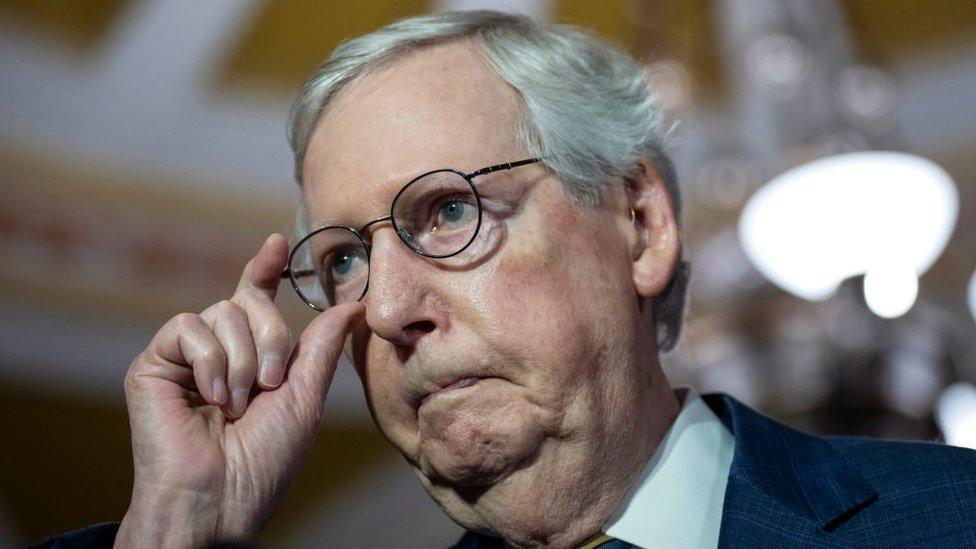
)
(658, 244)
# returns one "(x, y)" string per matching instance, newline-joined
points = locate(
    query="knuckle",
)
(214, 357)
(274, 333)
(227, 307)
(130, 381)
(184, 321)
(225, 310)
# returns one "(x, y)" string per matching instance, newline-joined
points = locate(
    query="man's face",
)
(490, 368)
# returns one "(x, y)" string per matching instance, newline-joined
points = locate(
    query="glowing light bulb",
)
(891, 292)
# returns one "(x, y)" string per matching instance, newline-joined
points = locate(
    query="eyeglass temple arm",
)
(505, 166)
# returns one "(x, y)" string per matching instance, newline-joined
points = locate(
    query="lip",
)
(459, 384)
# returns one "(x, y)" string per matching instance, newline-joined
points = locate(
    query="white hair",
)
(587, 107)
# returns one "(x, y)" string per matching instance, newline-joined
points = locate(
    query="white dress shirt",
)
(676, 502)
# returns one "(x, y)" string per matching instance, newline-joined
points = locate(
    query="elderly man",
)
(491, 229)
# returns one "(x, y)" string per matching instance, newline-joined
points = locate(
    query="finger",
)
(315, 357)
(272, 338)
(230, 326)
(263, 271)
(187, 341)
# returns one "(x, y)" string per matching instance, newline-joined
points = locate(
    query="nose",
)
(403, 303)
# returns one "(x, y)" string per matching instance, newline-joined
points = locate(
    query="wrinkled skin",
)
(520, 378)
(221, 415)
(548, 313)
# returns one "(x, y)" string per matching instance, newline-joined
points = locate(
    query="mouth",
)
(459, 384)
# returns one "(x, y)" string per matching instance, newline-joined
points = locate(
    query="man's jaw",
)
(472, 431)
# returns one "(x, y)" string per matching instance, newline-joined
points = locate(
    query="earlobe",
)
(659, 243)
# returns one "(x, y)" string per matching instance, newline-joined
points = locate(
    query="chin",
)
(477, 436)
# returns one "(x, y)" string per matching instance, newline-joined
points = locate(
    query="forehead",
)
(441, 107)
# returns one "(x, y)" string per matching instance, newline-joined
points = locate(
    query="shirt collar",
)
(677, 499)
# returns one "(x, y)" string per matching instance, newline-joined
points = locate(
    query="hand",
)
(222, 412)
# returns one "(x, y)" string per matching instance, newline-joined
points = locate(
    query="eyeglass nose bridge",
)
(362, 230)
(401, 233)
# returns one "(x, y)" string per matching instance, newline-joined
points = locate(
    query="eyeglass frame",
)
(468, 177)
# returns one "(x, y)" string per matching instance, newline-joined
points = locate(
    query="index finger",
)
(263, 271)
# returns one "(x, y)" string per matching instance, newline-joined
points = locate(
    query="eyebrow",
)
(344, 219)
(322, 224)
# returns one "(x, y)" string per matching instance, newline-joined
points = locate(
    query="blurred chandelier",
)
(886, 215)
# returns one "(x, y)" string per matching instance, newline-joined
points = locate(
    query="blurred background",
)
(143, 159)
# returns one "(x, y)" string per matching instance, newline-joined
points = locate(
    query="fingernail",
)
(220, 390)
(272, 370)
(238, 401)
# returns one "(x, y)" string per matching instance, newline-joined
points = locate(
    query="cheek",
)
(559, 289)
(556, 276)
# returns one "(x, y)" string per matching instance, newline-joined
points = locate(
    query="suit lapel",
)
(781, 468)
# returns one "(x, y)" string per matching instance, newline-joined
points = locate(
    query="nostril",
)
(417, 329)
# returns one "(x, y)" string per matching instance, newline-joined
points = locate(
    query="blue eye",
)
(452, 211)
(457, 212)
(342, 263)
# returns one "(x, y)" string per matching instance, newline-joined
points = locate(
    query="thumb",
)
(317, 353)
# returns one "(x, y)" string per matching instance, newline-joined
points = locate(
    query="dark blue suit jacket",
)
(790, 489)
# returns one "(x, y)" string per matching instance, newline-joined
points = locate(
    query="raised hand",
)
(222, 411)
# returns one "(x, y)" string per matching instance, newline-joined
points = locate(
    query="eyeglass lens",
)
(436, 215)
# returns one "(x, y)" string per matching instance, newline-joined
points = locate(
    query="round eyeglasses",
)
(436, 214)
